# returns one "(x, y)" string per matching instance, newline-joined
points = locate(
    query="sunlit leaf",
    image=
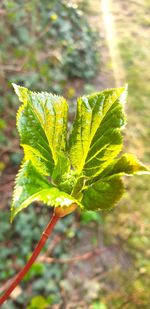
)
(28, 182)
(54, 197)
(86, 171)
(128, 164)
(95, 139)
(42, 125)
(31, 186)
(103, 194)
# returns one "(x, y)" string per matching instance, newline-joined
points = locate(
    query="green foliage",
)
(28, 183)
(39, 302)
(2, 136)
(127, 164)
(88, 216)
(36, 270)
(27, 231)
(99, 305)
(83, 168)
(45, 136)
(96, 131)
(103, 194)
(32, 186)
(43, 44)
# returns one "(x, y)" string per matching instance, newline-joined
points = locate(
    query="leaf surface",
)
(42, 126)
(107, 188)
(62, 167)
(28, 182)
(103, 195)
(126, 165)
(55, 197)
(95, 139)
(86, 171)
(31, 186)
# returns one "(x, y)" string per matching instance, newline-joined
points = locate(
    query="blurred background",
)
(98, 261)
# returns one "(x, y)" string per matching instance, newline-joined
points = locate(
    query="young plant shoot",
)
(82, 169)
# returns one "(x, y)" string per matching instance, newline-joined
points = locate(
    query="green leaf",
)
(42, 125)
(62, 167)
(38, 302)
(107, 188)
(28, 182)
(78, 187)
(99, 305)
(95, 139)
(68, 181)
(54, 197)
(87, 171)
(31, 186)
(103, 195)
(127, 165)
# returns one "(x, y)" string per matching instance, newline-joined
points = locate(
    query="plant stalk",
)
(32, 259)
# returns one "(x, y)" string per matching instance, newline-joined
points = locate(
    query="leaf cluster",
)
(78, 168)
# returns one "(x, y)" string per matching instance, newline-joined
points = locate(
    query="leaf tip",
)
(15, 86)
(123, 96)
(20, 91)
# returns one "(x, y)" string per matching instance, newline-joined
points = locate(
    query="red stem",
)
(32, 259)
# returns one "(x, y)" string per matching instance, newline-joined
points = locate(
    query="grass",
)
(128, 225)
(134, 46)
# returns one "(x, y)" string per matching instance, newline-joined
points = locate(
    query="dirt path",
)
(111, 39)
(111, 71)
